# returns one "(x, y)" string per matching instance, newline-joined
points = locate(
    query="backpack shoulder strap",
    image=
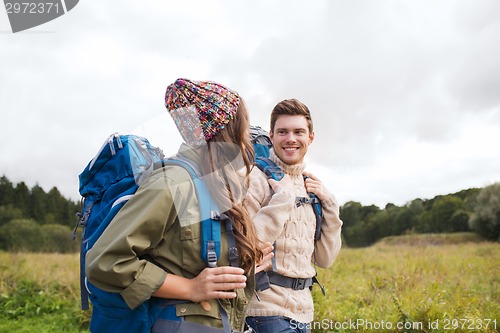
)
(209, 211)
(269, 168)
(210, 224)
(273, 171)
(318, 212)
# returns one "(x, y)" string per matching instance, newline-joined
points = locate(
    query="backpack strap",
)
(318, 212)
(273, 171)
(210, 216)
(82, 221)
(269, 168)
(231, 240)
(210, 226)
(288, 282)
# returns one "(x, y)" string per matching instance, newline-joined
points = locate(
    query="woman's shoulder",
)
(259, 186)
(168, 180)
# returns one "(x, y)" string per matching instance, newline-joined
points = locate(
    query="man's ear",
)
(311, 137)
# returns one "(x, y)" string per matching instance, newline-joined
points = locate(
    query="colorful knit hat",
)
(200, 109)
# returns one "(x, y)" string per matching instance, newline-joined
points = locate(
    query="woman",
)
(150, 252)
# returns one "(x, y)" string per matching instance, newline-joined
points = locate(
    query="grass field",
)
(39, 293)
(418, 288)
(416, 285)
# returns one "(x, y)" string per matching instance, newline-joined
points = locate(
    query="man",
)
(283, 216)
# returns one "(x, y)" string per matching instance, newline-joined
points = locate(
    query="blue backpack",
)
(110, 179)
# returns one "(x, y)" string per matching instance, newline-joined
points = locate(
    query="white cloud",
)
(404, 94)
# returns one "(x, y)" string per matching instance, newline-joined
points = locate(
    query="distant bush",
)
(24, 235)
(486, 218)
(21, 235)
(57, 238)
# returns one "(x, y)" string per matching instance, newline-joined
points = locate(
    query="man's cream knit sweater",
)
(277, 218)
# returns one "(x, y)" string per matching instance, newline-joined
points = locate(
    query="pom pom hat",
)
(200, 109)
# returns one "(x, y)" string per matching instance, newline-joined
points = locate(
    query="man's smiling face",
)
(291, 138)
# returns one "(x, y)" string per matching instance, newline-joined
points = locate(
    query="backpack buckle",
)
(299, 201)
(298, 284)
(211, 255)
(82, 218)
(232, 253)
(214, 215)
(212, 259)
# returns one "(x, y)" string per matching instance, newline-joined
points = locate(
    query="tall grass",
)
(420, 288)
(367, 290)
(39, 293)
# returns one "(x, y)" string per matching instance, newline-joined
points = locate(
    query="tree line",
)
(34, 220)
(473, 210)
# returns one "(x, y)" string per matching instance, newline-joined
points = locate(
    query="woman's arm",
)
(211, 283)
(268, 206)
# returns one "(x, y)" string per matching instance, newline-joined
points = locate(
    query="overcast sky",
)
(405, 95)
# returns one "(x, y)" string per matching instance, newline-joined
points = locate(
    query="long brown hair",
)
(230, 154)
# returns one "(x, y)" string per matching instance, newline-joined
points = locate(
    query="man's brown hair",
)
(291, 107)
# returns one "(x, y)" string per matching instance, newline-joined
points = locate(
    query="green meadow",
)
(418, 283)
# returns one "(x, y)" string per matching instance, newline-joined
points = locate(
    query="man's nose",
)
(291, 137)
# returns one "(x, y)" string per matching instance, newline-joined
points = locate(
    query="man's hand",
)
(314, 185)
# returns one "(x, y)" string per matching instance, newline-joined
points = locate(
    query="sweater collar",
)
(291, 169)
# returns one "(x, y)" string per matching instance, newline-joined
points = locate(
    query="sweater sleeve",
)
(328, 246)
(268, 210)
(115, 263)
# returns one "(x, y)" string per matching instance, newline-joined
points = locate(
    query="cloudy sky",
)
(405, 94)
